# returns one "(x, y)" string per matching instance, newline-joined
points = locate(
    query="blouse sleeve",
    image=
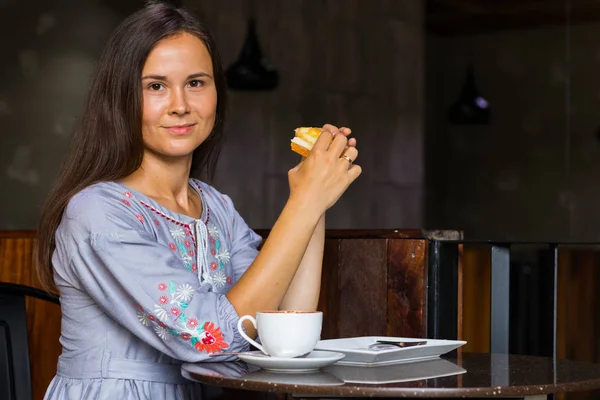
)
(142, 285)
(244, 243)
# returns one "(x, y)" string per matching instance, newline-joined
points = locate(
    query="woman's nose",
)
(178, 103)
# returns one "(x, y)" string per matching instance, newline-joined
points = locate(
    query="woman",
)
(154, 268)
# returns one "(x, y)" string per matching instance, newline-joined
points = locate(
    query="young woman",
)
(154, 268)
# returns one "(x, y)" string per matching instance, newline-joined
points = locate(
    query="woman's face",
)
(179, 97)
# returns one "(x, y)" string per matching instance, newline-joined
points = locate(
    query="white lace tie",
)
(202, 251)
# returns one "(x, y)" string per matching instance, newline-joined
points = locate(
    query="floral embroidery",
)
(229, 280)
(126, 202)
(223, 256)
(219, 279)
(184, 245)
(187, 259)
(213, 232)
(204, 337)
(140, 217)
(178, 233)
(162, 333)
(213, 340)
(160, 313)
(129, 194)
(185, 292)
(143, 318)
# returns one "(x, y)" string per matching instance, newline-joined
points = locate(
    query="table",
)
(467, 375)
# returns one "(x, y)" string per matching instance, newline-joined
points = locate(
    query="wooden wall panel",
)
(407, 288)
(43, 327)
(578, 309)
(476, 269)
(578, 323)
(16, 258)
(362, 280)
(43, 318)
(460, 290)
(374, 286)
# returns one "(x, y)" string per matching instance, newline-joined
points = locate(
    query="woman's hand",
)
(322, 177)
(344, 131)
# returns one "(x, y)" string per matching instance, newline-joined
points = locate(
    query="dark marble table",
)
(465, 375)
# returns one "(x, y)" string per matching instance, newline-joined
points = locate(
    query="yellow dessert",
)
(304, 139)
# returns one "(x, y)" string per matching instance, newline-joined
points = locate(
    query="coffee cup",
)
(284, 333)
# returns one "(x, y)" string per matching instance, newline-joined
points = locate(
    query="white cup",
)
(285, 334)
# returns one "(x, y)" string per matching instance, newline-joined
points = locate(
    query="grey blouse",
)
(142, 289)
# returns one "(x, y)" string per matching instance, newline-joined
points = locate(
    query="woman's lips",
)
(180, 129)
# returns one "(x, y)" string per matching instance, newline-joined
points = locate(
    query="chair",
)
(15, 375)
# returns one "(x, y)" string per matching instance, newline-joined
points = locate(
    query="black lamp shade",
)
(251, 71)
(470, 108)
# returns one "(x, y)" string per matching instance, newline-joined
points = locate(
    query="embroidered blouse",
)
(143, 289)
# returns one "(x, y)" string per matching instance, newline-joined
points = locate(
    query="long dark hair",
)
(108, 144)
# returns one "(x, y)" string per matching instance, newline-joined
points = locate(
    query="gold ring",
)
(348, 158)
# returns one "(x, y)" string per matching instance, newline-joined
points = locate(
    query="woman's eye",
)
(155, 86)
(196, 83)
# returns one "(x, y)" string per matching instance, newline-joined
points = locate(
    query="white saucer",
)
(312, 362)
(359, 352)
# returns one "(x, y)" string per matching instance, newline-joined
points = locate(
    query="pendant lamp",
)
(251, 70)
(470, 108)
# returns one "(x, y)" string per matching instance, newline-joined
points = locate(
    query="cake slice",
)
(304, 139)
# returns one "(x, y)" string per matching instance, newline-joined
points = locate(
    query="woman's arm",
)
(265, 282)
(303, 293)
(315, 185)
